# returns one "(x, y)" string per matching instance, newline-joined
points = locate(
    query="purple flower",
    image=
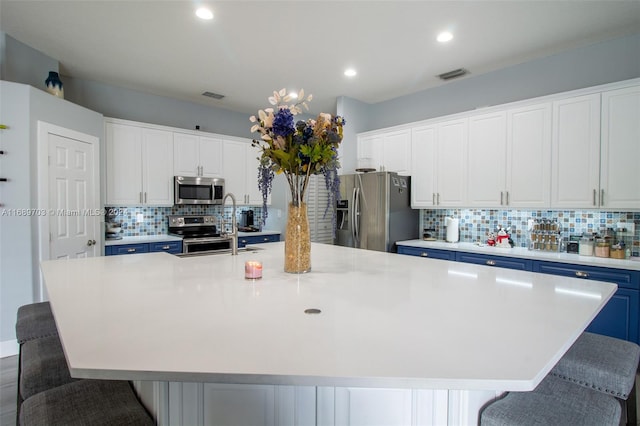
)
(283, 123)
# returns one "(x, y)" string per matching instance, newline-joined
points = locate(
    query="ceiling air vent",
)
(213, 95)
(453, 74)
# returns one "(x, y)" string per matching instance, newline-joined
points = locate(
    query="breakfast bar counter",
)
(363, 327)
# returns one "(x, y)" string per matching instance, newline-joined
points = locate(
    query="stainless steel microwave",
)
(198, 190)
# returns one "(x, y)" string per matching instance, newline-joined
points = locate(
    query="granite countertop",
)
(166, 237)
(386, 320)
(523, 253)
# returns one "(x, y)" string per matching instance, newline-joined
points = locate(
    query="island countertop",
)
(386, 320)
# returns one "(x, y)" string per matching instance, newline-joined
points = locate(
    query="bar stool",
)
(43, 366)
(86, 402)
(597, 371)
(553, 402)
(604, 364)
(35, 320)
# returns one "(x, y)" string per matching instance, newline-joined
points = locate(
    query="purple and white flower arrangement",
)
(298, 149)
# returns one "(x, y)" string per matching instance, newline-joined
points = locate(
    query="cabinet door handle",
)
(424, 254)
(438, 198)
(166, 247)
(507, 197)
(501, 198)
(433, 198)
(582, 274)
(594, 197)
(91, 243)
(141, 197)
(491, 262)
(131, 250)
(601, 197)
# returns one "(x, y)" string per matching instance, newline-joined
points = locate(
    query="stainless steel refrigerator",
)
(375, 211)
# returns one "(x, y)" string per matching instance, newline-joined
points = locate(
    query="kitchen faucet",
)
(234, 225)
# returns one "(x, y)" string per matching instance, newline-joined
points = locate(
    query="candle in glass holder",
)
(252, 270)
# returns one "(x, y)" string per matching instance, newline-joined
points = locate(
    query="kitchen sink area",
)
(241, 250)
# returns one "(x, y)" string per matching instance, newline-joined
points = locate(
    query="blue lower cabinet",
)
(126, 249)
(498, 261)
(173, 247)
(620, 316)
(258, 239)
(429, 253)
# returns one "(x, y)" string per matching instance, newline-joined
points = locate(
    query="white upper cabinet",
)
(139, 165)
(195, 155)
(451, 171)
(528, 159)
(439, 165)
(620, 149)
(388, 151)
(423, 164)
(576, 152)
(369, 149)
(396, 152)
(241, 170)
(487, 160)
(508, 158)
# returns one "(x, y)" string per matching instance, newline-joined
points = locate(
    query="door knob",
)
(91, 242)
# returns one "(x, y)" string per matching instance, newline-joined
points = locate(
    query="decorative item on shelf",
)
(54, 85)
(297, 149)
(544, 234)
(491, 239)
(503, 238)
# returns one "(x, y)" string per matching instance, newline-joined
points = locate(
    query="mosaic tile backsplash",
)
(154, 219)
(475, 223)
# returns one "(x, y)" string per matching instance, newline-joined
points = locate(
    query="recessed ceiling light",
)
(204, 13)
(350, 72)
(293, 94)
(444, 37)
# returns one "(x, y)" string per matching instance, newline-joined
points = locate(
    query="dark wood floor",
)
(9, 386)
(8, 390)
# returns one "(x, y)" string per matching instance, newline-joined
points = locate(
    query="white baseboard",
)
(9, 348)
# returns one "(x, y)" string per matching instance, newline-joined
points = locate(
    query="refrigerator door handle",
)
(355, 219)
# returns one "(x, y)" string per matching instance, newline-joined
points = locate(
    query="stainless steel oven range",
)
(200, 234)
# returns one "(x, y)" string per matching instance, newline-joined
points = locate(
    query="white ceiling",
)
(251, 48)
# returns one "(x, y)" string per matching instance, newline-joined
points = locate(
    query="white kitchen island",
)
(399, 339)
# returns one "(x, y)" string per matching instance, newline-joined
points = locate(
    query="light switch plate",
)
(629, 226)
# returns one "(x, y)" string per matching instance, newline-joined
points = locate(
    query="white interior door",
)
(73, 205)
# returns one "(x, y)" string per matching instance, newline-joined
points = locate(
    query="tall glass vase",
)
(297, 242)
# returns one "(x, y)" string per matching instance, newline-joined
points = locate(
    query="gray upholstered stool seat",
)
(553, 402)
(43, 366)
(85, 402)
(34, 321)
(601, 363)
